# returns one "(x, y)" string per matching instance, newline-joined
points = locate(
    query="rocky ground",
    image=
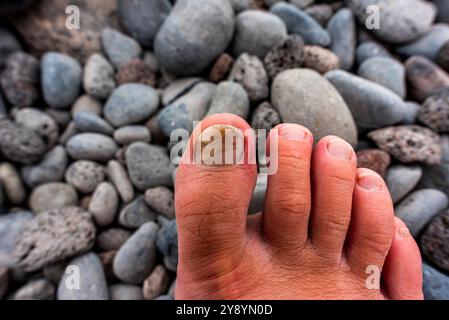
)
(85, 115)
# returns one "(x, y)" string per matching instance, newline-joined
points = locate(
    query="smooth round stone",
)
(12, 184)
(178, 47)
(112, 239)
(89, 122)
(119, 177)
(265, 117)
(178, 88)
(61, 117)
(285, 55)
(401, 180)
(229, 97)
(328, 115)
(436, 176)
(385, 71)
(409, 143)
(370, 49)
(20, 144)
(420, 207)
(161, 199)
(400, 20)
(104, 203)
(88, 104)
(19, 79)
(12, 226)
(60, 79)
(434, 113)
(372, 105)
(256, 32)
(299, 22)
(53, 236)
(50, 169)
(129, 134)
(54, 195)
(123, 291)
(435, 284)
(374, 159)
(342, 30)
(320, 59)
(320, 12)
(167, 244)
(411, 112)
(249, 71)
(92, 280)
(424, 78)
(8, 45)
(136, 213)
(85, 175)
(142, 19)
(157, 283)
(428, 45)
(119, 48)
(91, 146)
(190, 107)
(40, 123)
(136, 258)
(131, 103)
(434, 240)
(39, 289)
(98, 79)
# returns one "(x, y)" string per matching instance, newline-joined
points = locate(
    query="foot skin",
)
(327, 230)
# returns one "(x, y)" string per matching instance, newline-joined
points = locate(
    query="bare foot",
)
(327, 230)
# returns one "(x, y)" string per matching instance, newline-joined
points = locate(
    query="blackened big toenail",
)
(340, 149)
(369, 182)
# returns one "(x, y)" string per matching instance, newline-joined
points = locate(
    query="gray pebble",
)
(435, 283)
(385, 71)
(91, 146)
(136, 258)
(372, 105)
(420, 207)
(136, 213)
(85, 175)
(142, 19)
(434, 112)
(88, 104)
(411, 112)
(53, 195)
(161, 199)
(62, 117)
(123, 291)
(119, 48)
(104, 203)
(328, 115)
(39, 122)
(131, 103)
(53, 236)
(320, 12)
(98, 79)
(112, 239)
(230, 97)
(178, 46)
(299, 22)
(250, 72)
(12, 226)
(68, 133)
(436, 176)
(428, 45)
(60, 79)
(120, 179)
(443, 10)
(401, 180)
(178, 88)
(265, 117)
(370, 49)
(89, 122)
(92, 280)
(256, 32)
(8, 45)
(167, 244)
(343, 33)
(129, 134)
(39, 289)
(190, 107)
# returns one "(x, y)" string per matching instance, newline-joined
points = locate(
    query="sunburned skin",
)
(327, 230)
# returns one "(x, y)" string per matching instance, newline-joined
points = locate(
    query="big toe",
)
(212, 195)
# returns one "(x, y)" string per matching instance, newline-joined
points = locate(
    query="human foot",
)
(326, 232)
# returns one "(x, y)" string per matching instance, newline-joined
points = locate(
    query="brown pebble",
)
(221, 68)
(107, 260)
(157, 283)
(374, 159)
(320, 59)
(136, 71)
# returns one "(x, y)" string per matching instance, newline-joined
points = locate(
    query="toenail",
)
(403, 232)
(340, 149)
(292, 132)
(220, 145)
(369, 182)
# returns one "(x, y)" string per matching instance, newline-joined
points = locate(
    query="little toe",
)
(372, 224)
(333, 177)
(212, 197)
